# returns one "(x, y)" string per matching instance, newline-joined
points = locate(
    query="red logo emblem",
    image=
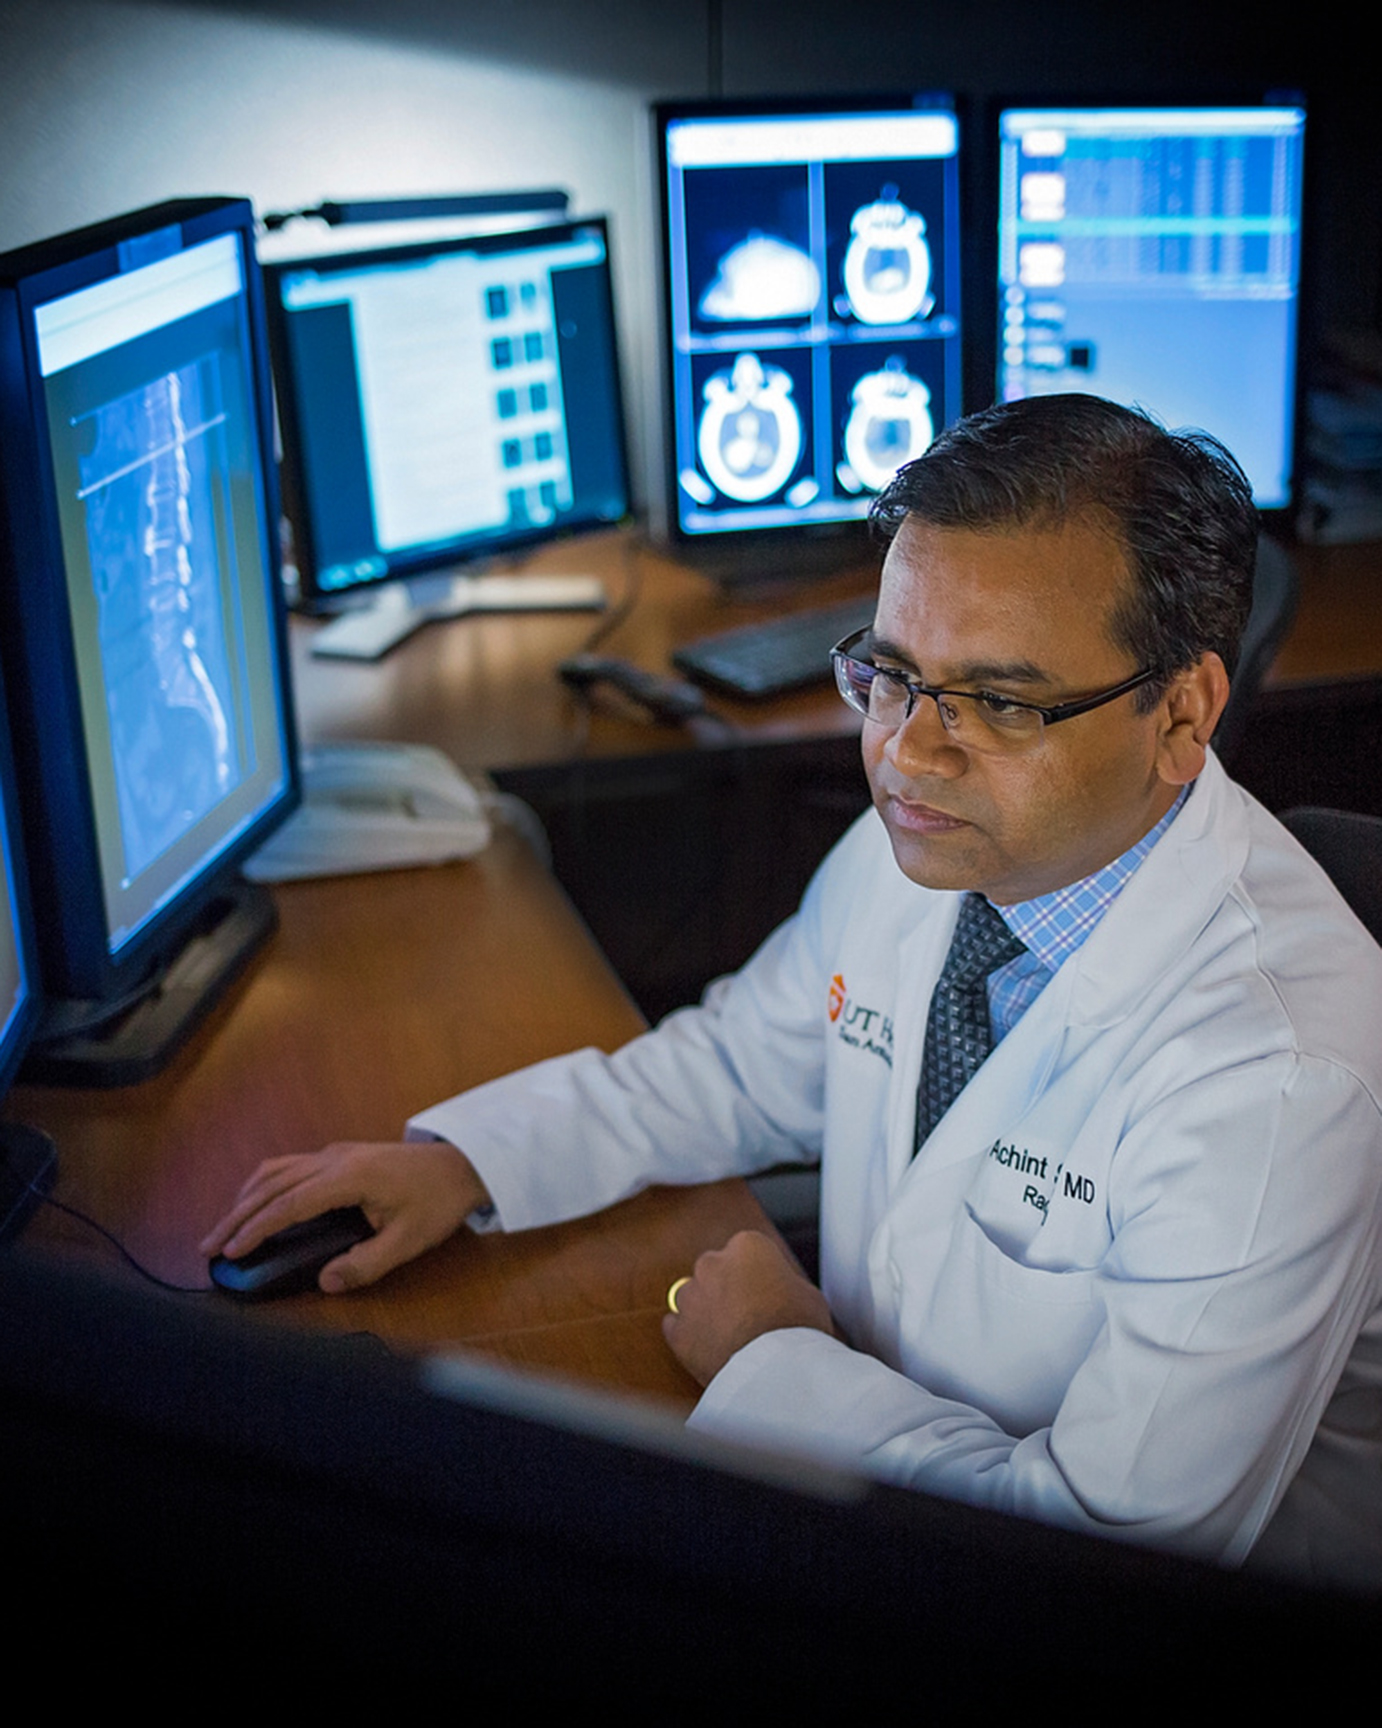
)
(837, 996)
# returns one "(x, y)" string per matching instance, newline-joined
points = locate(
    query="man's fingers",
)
(284, 1191)
(246, 1226)
(367, 1262)
(354, 1270)
(414, 1194)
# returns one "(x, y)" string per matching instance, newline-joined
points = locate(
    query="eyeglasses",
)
(978, 719)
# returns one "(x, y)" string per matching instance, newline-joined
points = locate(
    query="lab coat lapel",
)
(1156, 918)
(1166, 905)
(1012, 1076)
(1003, 1090)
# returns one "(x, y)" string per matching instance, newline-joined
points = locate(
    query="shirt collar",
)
(1054, 925)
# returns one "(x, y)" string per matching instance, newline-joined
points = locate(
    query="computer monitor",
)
(19, 998)
(237, 1485)
(445, 401)
(145, 638)
(1152, 255)
(811, 271)
(26, 1157)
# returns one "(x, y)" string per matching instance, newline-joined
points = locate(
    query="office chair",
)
(1349, 846)
(1275, 594)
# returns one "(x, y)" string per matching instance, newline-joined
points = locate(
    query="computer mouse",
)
(287, 1263)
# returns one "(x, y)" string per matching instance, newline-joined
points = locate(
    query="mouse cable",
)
(358, 1336)
(119, 1246)
(631, 557)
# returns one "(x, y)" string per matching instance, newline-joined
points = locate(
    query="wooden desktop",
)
(380, 994)
(383, 993)
(377, 995)
(483, 689)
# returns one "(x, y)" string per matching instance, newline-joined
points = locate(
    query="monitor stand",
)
(121, 1043)
(756, 566)
(400, 608)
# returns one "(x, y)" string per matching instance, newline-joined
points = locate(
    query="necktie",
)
(958, 1034)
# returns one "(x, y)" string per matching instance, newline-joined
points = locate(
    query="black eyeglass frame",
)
(1050, 716)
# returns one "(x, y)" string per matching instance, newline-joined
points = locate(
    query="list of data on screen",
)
(1152, 256)
(451, 365)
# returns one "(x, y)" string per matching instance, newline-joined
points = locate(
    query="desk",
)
(382, 994)
(683, 847)
(480, 688)
(378, 995)
(385, 992)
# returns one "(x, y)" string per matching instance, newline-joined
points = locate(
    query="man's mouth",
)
(918, 818)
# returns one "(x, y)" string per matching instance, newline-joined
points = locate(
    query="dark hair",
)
(1176, 502)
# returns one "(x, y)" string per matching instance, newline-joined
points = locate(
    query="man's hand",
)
(415, 1194)
(737, 1292)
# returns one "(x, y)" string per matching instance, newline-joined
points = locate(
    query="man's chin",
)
(935, 861)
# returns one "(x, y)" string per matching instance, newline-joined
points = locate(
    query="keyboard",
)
(785, 653)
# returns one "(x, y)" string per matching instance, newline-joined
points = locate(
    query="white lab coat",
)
(1119, 1284)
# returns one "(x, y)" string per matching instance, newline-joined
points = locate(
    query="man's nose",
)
(921, 744)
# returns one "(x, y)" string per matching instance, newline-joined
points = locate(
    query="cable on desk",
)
(370, 1339)
(649, 696)
(630, 557)
(119, 1246)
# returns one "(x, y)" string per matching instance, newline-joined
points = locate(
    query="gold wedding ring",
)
(673, 1293)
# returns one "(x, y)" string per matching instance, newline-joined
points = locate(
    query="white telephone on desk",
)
(374, 807)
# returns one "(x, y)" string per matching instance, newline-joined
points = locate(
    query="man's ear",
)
(1190, 711)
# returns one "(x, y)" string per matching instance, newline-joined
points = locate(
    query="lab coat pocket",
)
(1002, 1335)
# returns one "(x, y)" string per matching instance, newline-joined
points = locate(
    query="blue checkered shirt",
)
(1054, 925)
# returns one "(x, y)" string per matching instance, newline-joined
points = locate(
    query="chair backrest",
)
(1349, 846)
(1275, 594)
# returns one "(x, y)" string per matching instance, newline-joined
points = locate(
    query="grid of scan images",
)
(815, 315)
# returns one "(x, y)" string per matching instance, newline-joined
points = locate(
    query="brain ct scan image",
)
(814, 307)
(888, 264)
(750, 433)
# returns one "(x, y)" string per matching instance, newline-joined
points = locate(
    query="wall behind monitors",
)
(445, 401)
(811, 263)
(1152, 255)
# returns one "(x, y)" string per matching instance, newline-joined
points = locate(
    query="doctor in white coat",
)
(1104, 1245)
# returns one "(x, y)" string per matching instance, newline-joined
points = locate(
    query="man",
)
(1111, 1273)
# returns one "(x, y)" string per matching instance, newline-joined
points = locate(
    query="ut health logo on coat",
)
(862, 1028)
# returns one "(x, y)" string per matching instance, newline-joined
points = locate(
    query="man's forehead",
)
(1082, 551)
(1043, 593)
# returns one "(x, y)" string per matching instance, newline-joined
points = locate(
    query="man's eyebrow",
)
(975, 672)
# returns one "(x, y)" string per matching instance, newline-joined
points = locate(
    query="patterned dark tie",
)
(958, 1035)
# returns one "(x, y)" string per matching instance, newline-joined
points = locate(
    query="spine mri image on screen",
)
(813, 309)
(146, 487)
(165, 567)
(144, 634)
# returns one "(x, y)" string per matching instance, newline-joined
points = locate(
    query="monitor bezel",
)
(14, 1041)
(987, 161)
(807, 547)
(311, 595)
(57, 807)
